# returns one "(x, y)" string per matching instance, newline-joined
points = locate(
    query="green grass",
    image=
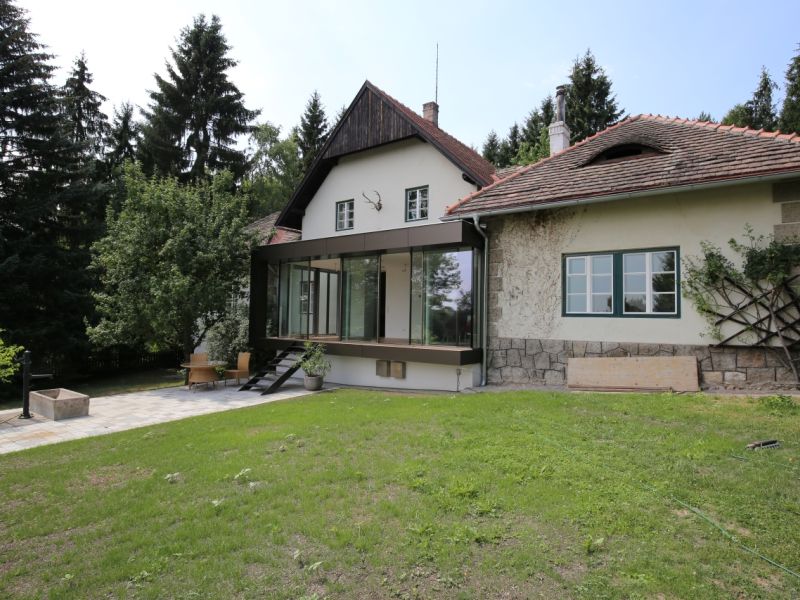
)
(136, 381)
(358, 494)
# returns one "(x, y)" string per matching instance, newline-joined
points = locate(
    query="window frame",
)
(618, 299)
(344, 203)
(427, 203)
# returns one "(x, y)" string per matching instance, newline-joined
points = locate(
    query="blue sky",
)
(496, 59)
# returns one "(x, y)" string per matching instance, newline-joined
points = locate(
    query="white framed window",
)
(649, 282)
(590, 284)
(345, 212)
(417, 204)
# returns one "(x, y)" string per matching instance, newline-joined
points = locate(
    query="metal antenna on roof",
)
(436, 96)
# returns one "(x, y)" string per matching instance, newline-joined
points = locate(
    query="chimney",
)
(430, 112)
(558, 130)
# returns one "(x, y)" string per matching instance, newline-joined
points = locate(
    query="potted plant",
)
(314, 365)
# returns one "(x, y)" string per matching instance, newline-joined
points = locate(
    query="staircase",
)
(276, 372)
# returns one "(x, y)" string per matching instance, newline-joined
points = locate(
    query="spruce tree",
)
(44, 292)
(123, 138)
(196, 113)
(491, 148)
(704, 116)
(761, 107)
(591, 107)
(790, 111)
(509, 147)
(82, 105)
(313, 130)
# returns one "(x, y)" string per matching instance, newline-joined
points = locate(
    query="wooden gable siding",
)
(371, 122)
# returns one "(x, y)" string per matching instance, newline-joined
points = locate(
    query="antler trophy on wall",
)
(376, 205)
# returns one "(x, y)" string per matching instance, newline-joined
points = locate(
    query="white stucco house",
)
(421, 267)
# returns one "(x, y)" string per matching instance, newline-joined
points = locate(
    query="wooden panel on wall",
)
(371, 122)
(678, 373)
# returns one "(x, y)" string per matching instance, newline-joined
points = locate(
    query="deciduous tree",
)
(172, 260)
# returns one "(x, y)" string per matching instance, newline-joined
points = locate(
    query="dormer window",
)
(622, 152)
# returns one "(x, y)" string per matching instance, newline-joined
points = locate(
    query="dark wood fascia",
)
(452, 233)
(419, 354)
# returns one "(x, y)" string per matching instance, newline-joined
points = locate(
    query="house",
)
(392, 291)
(586, 246)
(580, 253)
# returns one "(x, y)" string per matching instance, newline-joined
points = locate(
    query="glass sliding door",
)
(324, 316)
(360, 276)
(273, 303)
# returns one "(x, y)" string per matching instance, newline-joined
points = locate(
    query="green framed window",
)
(345, 213)
(622, 283)
(417, 203)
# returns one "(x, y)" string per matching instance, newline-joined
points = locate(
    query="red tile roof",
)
(688, 152)
(462, 153)
(267, 233)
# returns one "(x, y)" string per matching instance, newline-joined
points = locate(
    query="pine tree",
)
(43, 256)
(790, 111)
(761, 107)
(123, 138)
(491, 148)
(704, 116)
(196, 112)
(591, 107)
(82, 106)
(313, 131)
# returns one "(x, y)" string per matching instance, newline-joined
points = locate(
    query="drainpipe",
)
(476, 222)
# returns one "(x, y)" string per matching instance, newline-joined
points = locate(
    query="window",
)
(344, 214)
(590, 281)
(649, 284)
(417, 204)
(622, 284)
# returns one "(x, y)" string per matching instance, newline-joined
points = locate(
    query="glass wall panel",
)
(448, 297)
(360, 277)
(417, 329)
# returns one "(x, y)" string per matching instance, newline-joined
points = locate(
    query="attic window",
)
(622, 152)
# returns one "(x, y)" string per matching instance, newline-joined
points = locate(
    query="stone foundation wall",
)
(537, 361)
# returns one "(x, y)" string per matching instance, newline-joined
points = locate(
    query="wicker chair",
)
(242, 369)
(201, 375)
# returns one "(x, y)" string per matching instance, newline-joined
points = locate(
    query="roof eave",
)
(768, 178)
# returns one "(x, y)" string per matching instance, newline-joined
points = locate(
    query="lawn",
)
(358, 494)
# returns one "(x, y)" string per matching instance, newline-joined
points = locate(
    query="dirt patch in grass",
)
(110, 476)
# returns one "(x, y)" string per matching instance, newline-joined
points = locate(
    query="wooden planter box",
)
(59, 403)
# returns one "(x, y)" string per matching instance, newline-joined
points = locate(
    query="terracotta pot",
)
(312, 382)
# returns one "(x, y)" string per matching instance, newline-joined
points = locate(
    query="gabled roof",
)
(267, 233)
(685, 153)
(373, 119)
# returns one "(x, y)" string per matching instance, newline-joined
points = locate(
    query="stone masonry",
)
(536, 361)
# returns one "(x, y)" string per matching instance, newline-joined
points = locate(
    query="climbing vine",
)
(754, 301)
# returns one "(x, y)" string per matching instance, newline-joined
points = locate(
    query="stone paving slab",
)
(108, 414)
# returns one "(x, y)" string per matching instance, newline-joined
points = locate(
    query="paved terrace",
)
(108, 414)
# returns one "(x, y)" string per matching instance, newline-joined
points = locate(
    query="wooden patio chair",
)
(242, 369)
(201, 375)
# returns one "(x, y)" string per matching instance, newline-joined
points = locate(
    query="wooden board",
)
(678, 373)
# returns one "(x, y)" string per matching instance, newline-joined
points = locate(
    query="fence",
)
(106, 361)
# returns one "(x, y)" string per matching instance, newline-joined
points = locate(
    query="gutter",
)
(476, 222)
(623, 196)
